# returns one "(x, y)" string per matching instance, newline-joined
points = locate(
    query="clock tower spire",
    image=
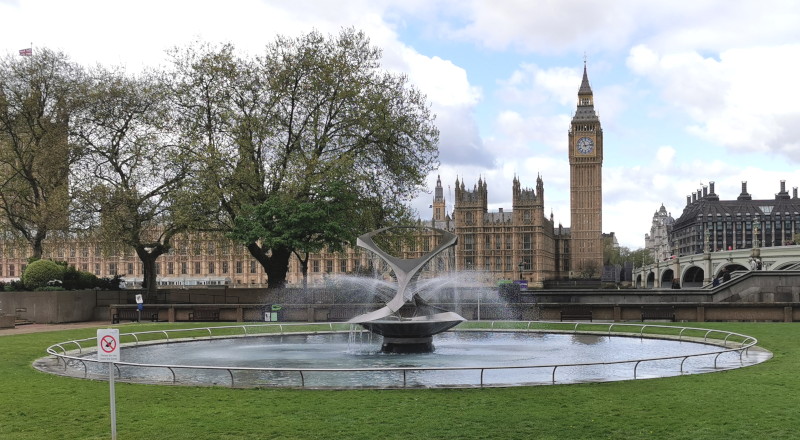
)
(586, 179)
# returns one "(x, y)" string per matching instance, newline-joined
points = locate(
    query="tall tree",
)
(36, 98)
(134, 176)
(311, 110)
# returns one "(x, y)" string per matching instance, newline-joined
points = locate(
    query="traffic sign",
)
(108, 345)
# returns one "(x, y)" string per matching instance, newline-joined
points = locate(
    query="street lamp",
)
(520, 266)
(756, 226)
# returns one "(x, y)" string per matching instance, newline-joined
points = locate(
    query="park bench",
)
(204, 315)
(660, 313)
(133, 315)
(574, 313)
(340, 314)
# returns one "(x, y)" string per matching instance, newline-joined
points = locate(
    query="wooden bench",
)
(133, 315)
(660, 313)
(340, 314)
(574, 313)
(204, 315)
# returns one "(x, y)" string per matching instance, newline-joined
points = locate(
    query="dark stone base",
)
(407, 345)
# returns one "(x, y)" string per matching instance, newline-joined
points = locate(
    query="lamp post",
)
(756, 226)
(520, 266)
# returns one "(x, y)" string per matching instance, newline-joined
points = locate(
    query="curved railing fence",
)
(74, 357)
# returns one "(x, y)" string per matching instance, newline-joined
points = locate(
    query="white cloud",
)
(740, 101)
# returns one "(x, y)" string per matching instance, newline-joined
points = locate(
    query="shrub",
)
(40, 272)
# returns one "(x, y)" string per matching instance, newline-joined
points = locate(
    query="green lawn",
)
(762, 401)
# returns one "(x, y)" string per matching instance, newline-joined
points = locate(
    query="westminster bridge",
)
(699, 270)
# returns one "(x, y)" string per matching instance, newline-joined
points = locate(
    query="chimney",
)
(694, 197)
(744, 195)
(794, 192)
(705, 191)
(501, 209)
(783, 195)
(688, 200)
(712, 187)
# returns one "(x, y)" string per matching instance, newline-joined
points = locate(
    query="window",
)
(184, 268)
(252, 266)
(315, 266)
(526, 241)
(508, 264)
(224, 267)
(11, 270)
(469, 242)
(508, 242)
(97, 269)
(130, 268)
(211, 267)
(342, 266)
(197, 267)
(170, 268)
(328, 266)
(112, 268)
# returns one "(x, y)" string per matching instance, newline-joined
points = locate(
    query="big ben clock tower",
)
(586, 193)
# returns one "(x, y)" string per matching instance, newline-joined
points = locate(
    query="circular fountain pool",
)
(461, 359)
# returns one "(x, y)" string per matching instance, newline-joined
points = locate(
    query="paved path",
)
(36, 328)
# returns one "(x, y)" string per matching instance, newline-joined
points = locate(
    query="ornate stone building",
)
(657, 241)
(507, 245)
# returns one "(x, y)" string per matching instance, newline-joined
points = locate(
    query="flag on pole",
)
(26, 52)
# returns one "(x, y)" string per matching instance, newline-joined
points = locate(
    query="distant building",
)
(717, 225)
(657, 241)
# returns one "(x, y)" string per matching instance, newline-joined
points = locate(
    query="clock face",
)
(585, 145)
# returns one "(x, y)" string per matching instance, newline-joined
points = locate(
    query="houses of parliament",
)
(521, 244)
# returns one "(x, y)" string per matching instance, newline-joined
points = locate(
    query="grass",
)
(755, 402)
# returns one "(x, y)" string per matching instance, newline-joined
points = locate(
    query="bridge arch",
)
(693, 276)
(666, 278)
(783, 264)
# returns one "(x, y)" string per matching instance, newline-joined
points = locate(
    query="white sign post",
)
(108, 351)
(139, 307)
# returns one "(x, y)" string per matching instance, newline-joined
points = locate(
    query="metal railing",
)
(727, 342)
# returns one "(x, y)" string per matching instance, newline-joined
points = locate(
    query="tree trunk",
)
(36, 243)
(149, 276)
(275, 265)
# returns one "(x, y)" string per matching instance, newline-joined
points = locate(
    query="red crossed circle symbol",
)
(108, 343)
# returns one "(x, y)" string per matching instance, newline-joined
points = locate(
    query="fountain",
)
(407, 323)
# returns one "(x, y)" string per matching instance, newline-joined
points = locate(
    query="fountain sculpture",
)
(407, 323)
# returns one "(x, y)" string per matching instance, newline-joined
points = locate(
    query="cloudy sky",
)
(688, 91)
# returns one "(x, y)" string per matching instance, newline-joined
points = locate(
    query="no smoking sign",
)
(108, 345)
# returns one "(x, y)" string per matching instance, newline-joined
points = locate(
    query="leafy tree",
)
(325, 219)
(641, 257)
(36, 98)
(133, 179)
(312, 110)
